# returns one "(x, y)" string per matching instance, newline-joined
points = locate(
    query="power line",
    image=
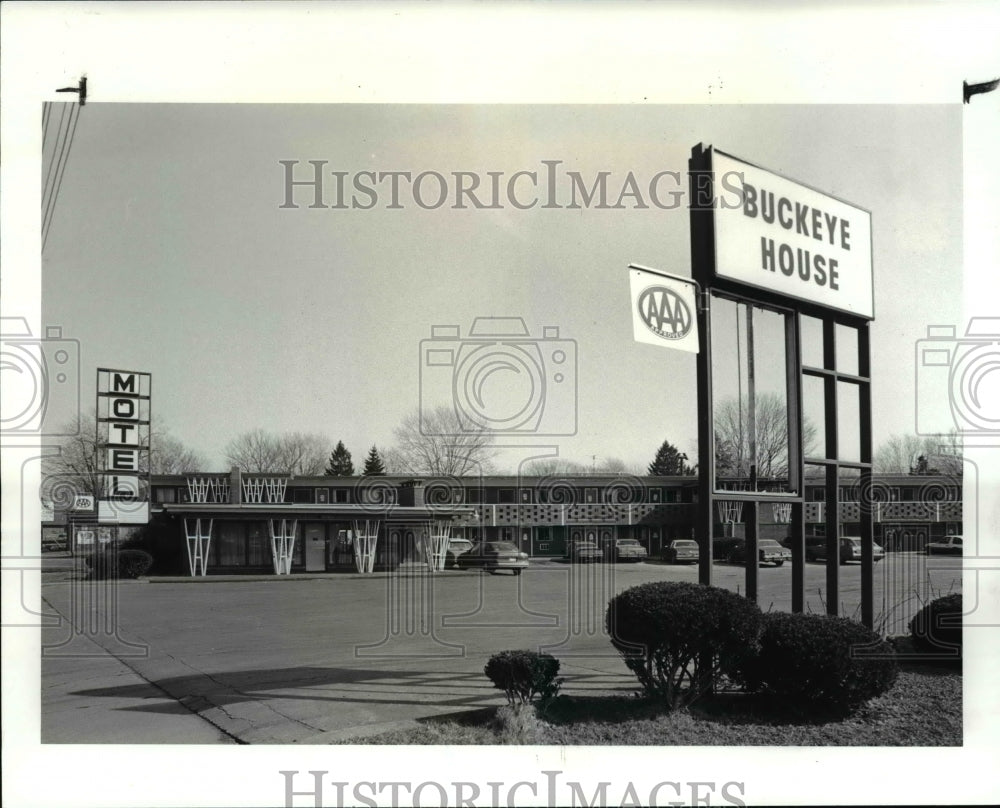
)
(46, 191)
(61, 173)
(46, 112)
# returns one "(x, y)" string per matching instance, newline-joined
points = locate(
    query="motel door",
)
(315, 539)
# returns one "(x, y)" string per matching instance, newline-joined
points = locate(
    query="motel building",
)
(231, 523)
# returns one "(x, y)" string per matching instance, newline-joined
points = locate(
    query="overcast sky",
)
(170, 252)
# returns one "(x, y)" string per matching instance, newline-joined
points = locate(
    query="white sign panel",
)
(123, 434)
(123, 512)
(664, 310)
(778, 235)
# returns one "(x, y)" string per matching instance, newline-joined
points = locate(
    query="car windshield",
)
(629, 542)
(768, 543)
(499, 547)
(685, 543)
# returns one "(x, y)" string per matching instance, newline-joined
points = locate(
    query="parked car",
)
(722, 545)
(768, 552)
(493, 556)
(681, 551)
(629, 550)
(949, 545)
(584, 551)
(456, 547)
(850, 549)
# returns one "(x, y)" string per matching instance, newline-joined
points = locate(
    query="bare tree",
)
(435, 442)
(292, 452)
(732, 437)
(169, 455)
(915, 454)
(75, 467)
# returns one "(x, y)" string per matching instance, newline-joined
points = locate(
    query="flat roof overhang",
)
(301, 510)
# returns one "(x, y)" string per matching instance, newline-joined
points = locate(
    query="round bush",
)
(815, 661)
(127, 563)
(133, 563)
(678, 638)
(937, 628)
(523, 675)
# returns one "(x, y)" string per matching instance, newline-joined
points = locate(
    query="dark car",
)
(949, 545)
(629, 550)
(768, 552)
(456, 547)
(681, 551)
(850, 549)
(492, 556)
(584, 551)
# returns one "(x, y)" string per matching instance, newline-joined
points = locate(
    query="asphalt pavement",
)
(322, 658)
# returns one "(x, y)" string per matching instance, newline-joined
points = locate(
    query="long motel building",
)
(235, 522)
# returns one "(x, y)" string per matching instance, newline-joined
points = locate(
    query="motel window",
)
(322, 495)
(590, 495)
(655, 495)
(819, 495)
(302, 495)
(166, 495)
(232, 548)
(907, 494)
(259, 544)
(340, 495)
(669, 496)
(472, 495)
(506, 495)
(526, 495)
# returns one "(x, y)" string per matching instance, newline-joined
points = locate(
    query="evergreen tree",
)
(340, 464)
(374, 467)
(669, 462)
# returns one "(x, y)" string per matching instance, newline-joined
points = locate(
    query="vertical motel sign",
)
(123, 445)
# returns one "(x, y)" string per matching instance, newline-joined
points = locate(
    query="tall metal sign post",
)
(766, 242)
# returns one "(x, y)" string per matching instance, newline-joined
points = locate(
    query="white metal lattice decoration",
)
(283, 544)
(275, 487)
(365, 540)
(220, 489)
(198, 488)
(782, 512)
(729, 510)
(436, 543)
(253, 489)
(199, 540)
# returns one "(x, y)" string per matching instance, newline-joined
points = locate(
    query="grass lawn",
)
(923, 708)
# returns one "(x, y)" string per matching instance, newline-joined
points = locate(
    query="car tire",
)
(778, 563)
(491, 571)
(517, 572)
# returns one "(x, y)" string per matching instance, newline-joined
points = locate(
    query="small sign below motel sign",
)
(782, 236)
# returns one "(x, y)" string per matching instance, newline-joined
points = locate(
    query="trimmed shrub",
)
(125, 563)
(937, 628)
(679, 638)
(812, 661)
(523, 675)
(133, 563)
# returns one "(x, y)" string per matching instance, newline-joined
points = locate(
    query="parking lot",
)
(317, 659)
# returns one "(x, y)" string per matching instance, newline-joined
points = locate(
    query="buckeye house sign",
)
(785, 237)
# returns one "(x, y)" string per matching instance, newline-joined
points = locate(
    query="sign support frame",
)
(703, 263)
